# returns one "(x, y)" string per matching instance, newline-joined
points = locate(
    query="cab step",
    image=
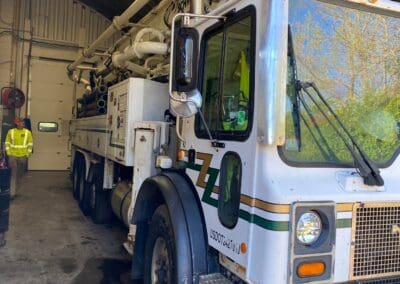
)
(215, 278)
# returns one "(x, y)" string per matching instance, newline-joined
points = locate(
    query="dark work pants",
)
(18, 168)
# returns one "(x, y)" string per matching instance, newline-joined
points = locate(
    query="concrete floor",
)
(51, 241)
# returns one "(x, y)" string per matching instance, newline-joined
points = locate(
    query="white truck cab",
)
(280, 162)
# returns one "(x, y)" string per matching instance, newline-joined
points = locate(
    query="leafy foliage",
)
(353, 57)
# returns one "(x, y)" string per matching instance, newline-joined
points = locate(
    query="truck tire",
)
(182, 233)
(99, 199)
(76, 177)
(85, 204)
(160, 258)
(82, 184)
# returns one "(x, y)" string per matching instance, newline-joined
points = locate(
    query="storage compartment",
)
(131, 101)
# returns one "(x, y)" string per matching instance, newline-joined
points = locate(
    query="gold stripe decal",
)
(249, 201)
(265, 206)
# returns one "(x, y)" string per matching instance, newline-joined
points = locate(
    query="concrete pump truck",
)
(246, 141)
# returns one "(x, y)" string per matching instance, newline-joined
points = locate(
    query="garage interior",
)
(63, 246)
(38, 38)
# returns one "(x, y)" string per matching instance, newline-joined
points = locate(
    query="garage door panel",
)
(50, 72)
(51, 101)
(42, 145)
(49, 160)
(53, 112)
(52, 93)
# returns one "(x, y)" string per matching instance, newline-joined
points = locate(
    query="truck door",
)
(223, 172)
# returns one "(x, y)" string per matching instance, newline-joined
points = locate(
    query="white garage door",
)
(51, 104)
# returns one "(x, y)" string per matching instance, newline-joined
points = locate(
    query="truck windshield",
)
(353, 58)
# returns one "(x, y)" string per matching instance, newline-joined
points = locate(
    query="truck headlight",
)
(308, 228)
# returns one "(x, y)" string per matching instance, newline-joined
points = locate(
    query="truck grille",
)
(375, 247)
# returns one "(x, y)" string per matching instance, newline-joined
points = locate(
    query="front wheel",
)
(160, 258)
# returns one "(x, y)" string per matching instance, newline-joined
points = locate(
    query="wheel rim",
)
(93, 196)
(160, 264)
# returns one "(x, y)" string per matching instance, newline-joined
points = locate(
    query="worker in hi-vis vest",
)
(19, 146)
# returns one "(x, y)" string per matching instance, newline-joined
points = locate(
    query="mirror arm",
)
(205, 125)
(178, 125)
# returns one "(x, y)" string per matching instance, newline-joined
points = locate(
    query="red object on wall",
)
(12, 97)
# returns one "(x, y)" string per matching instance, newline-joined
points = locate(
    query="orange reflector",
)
(310, 269)
(181, 155)
(243, 248)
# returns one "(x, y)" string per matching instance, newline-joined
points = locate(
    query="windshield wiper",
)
(294, 98)
(367, 168)
(328, 154)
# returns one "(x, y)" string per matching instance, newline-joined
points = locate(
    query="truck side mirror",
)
(186, 59)
(184, 97)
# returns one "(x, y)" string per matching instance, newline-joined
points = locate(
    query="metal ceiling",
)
(108, 8)
(112, 8)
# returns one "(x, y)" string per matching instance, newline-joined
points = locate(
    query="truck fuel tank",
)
(121, 197)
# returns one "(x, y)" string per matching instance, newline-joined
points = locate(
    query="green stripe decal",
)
(212, 179)
(247, 216)
(343, 223)
(99, 130)
(116, 146)
(280, 226)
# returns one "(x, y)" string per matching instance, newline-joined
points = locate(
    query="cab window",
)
(228, 61)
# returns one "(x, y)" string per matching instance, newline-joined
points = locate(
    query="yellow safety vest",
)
(19, 142)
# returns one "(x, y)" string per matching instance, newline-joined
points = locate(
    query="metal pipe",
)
(102, 54)
(101, 103)
(151, 31)
(78, 80)
(196, 7)
(117, 24)
(110, 77)
(103, 88)
(137, 50)
(158, 48)
(123, 40)
(29, 62)
(136, 68)
(81, 67)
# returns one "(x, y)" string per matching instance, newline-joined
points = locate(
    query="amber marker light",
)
(181, 155)
(243, 248)
(310, 269)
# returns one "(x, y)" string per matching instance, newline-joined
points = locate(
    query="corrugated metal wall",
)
(65, 21)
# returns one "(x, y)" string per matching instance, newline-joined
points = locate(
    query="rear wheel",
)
(82, 184)
(160, 258)
(76, 177)
(98, 199)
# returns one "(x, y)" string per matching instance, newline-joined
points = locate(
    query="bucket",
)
(4, 217)
(5, 175)
(4, 199)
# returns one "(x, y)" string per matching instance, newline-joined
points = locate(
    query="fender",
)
(177, 191)
(87, 159)
(94, 166)
(89, 162)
